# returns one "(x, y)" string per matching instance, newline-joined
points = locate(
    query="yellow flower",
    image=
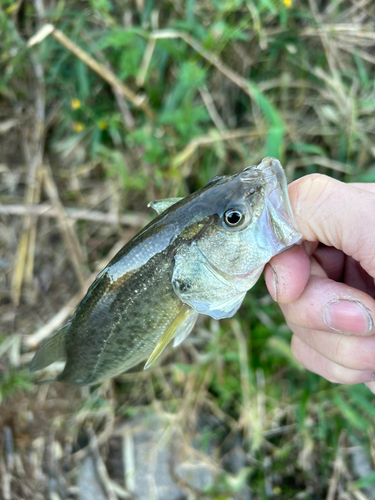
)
(75, 103)
(78, 127)
(288, 3)
(102, 124)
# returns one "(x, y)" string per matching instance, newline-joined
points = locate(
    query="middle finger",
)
(349, 351)
(327, 305)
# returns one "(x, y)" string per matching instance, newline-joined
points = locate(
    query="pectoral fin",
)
(181, 324)
(161, 205)
(185, 328)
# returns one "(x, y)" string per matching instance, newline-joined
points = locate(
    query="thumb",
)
(337, 214)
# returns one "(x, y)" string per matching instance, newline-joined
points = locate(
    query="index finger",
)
(326, 210)
(337, 214)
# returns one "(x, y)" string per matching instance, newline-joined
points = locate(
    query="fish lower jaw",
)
(243, 282)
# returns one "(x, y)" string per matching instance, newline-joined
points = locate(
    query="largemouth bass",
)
(200, 255)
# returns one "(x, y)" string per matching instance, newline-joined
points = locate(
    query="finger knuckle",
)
(335, 374)
(341, 350)
(311, 194)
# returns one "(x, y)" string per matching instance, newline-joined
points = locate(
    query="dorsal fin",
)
(161, 205)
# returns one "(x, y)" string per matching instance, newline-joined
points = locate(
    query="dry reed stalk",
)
(33, 150)
(322, 161)
(7, 125)
(147, 56)
(126, 115)
(33, 341)
(353, 51)
(49, 211)
(5, 481)
(206, 140)
(338, 468)
(248, 419)
(29, 268)
(139, 101)
(211, 108)
(101, 469)
(66, 227)
(213, 59)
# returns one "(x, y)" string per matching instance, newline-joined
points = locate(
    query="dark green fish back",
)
(114, 328)
(200, 255)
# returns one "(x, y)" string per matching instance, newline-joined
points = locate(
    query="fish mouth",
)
(271, 172)
(280, 212)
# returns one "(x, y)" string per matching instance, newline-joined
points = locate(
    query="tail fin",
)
(51, 350)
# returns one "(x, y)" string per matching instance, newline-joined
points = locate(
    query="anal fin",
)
(51, 350)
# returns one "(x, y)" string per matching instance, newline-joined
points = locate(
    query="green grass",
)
(228, 82)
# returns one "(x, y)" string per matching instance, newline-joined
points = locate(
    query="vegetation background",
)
(116, 103)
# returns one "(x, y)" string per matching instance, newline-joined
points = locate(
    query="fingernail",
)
(274, 283)
(347, 316)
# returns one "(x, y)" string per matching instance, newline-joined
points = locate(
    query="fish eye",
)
(233, 217)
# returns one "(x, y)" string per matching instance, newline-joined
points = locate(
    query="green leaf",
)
(307, 148)
(362, 397)
(274, 141)
(365, 481)
(275, 134)
(353, 417)
(281, 347)
(83, 82)
(368, 176)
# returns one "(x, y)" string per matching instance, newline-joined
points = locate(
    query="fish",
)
(200, 255)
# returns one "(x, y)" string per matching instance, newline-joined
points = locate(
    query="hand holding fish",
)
(326, 287)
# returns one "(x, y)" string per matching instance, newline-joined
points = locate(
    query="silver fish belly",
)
(200, 255)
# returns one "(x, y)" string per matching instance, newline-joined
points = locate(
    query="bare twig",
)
(29, 268)
(338, 468)
(246, 407)
(126, 115)
(8, 441)
(34, 150)
(49, 211)
(101, 468)
(5, 481)
(65, 226)
(128, 460)
(329, 47)
(137, 100)
(32, 341)
(147, 56)
(318, 160)
(213, 59)
(362, 8)
(211, 108)
(361, 53)
(206, 140)
(7, 125)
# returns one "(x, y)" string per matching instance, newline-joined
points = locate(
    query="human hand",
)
(326, 286)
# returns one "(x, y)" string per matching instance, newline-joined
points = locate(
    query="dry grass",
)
(178, 93)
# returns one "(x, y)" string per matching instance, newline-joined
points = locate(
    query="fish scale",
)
(200, 255)
(109, 354)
